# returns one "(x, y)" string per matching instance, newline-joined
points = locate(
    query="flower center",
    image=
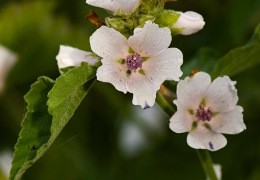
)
(203, 113)
(134, 61)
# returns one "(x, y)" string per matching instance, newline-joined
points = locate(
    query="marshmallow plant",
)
(7, 60)
(133, 52)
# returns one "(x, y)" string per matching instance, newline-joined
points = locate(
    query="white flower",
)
(206, 110)
(7, 60)
(138, 65)
(190, 22)
(125, 6)
(69, 56)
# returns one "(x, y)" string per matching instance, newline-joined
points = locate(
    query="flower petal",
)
(222, 95)
(125, 6)
(144, 91)
(191, 90)
(150, 40)
(114, 73)
(181, 121)
(69, 56)
(164, 66)
(229, 122)
(190, 22)
(109, 44)
(205, 139)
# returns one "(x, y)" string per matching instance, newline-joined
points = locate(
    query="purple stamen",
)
(211, 146)
(203, 113)
(134, 61)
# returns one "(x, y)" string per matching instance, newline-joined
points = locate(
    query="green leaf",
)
(66, 69)
(35, 128)
(66, 95)
(240, 59)
(50, 107)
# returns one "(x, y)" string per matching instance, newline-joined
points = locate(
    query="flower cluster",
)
(140, 60)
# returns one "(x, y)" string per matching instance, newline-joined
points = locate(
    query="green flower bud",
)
(167, 18)
(125, 26)
(143, 18)
(151, 7)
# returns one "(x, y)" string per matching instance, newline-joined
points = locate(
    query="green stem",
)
(163, 103)
(207, 164)
(203, 155)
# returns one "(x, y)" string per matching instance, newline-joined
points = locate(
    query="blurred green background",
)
(108, 138)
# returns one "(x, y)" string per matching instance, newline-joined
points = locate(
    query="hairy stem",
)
(164, 104)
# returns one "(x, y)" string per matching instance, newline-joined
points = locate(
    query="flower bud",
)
(190, 22)
(151, 7)
(125, 26)
(69, 56)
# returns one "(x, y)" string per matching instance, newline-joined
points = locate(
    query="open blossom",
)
(7, 60)
(206, 110)
(124, 6)
(69, 56)
(138, 65)
(190, 22)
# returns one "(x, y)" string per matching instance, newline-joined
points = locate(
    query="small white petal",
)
(144, 91)
(205, 139)
(7, 60)
(191, 22)
(229, 122)
(181, 121)
(109, 44)
(222, 95)
(114, 73)
(164, 66)
(191, 90)
(125, 6)
(69, 56)
(150, 40)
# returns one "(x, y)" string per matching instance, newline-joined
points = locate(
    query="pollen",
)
(134, 61)
(203, 113)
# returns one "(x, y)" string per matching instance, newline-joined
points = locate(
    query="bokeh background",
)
(108, 138)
